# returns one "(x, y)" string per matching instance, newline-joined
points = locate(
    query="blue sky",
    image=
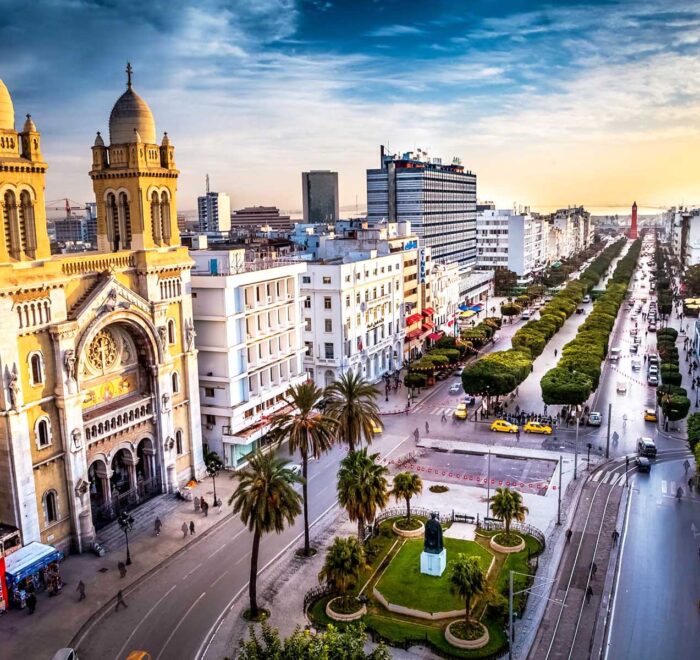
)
(549, 103)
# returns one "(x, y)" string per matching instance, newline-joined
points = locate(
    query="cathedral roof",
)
(131, 113)
(7, 110)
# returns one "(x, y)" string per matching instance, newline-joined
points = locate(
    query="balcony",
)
(117, 417)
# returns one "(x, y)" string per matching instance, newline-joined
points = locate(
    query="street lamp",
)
(126, 522)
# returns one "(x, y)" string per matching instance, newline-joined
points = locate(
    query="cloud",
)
(395, 31)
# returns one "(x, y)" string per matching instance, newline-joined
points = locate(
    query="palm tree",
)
(362, 488)
(344, 563)
(266, 501)
(351, 401)
(507, 505)
(406, 485)
(214, 465)
(307, 431)
(467, 579)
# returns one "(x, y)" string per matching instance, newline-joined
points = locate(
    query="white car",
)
(636, 364)
(455, 388)
(621, 387)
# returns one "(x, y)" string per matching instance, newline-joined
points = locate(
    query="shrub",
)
(415, 379)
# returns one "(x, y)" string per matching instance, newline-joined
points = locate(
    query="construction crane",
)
(68, 206)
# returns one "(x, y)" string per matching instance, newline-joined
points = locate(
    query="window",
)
(209, 392)
(309, 348)
(328, 351)
(36, 368)
(328, 323)
(326, 303)
(326, 279)
(176, 382)
(347, 301)
(43, 432)
(307, 302)
(50, 502)
(178, 442)
(171, 332)
(306, 279)
(307, 324)
(357, 298)
(211, 420)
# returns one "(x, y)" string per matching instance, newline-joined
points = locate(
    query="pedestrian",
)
(31, 602)
(81, 591)
(690, 484)
(416, 435)
(219, 504)
(427, 428)
(443, 419)
(555, 352)
(191, 527)
(615, 537)
(568, 535)
(205, 508)
(184, 529)
(594, 569)
(196, 504)
(122, 569)
(157, 525)
(517, 434)
(120, 600)
(589, 593)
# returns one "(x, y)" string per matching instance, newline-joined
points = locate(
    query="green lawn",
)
(404, 584)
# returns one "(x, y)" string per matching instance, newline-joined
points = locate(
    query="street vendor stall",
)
(32, 568)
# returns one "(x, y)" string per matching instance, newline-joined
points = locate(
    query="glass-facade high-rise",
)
(320, 196)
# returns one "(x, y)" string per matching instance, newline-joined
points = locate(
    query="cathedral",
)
(100, 397)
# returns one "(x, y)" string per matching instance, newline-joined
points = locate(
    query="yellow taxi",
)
(503, 426)
(650, 415)
(461, 411)
(537, 427)
(376, 427)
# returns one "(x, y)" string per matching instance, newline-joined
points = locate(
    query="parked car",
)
(653, 359)
(634, 347)
(652, 327)
(504, 427)
(615, 353)
(461, 411)
(537, 427)
(650, 415)
(455, 388)
(646, 447)
(295, 468)
(653, 380)
(595, 419)
(653, 369)
(643, 464)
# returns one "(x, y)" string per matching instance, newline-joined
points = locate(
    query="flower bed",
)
(345, 609)
(507, 544)
(473, 636)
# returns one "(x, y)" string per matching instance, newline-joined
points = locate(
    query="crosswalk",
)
(610, 477)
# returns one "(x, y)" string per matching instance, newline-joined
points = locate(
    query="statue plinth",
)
(433, 564)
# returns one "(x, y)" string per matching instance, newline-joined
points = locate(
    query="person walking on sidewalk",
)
(31, 602)
(122, 569)
(615, 537)
(594, 569)
(219, 504)
(184, 529)
(205, 508)
(589, 593)
(568, 535)
(416, 434)
(427, 428)
(81, 591)
(157, 526)
(191, 527)
(120, 600)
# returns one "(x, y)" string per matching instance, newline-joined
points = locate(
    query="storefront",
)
(33, 568)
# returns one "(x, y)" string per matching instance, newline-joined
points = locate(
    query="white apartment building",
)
(214, 210)
(516, 241)
(570, 231)
(445, 281)
(685, 236)
(248, 324)
(353, 316)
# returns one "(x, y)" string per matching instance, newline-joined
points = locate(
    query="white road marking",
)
(219, 578)
(615, 479)
(179, 623)
(184, 577)
(598, 475)
(607, 476)
(221, 547)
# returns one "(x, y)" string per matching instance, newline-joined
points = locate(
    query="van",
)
(586, 298)
(615, 353)
(525, 315)
(646, 447)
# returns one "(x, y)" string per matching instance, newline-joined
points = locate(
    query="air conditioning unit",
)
(209, 427)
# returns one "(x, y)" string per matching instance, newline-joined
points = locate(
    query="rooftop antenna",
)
(207, 184)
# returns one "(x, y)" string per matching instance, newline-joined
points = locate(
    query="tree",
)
(406, 485)
(504, 280)
(468, 580)
(510, 309)
(265, 500)
(507, 505)
(351, 401)
(691, 279)
(561, 386)
(307, 431)
(214, 465)
(329, 644)
(344, 562)
(362, 488)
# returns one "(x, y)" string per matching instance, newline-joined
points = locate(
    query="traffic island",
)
(474, 635)
(507, 544)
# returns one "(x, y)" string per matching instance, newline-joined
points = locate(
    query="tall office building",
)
(320, 196)
(214, 211)
(438, 200)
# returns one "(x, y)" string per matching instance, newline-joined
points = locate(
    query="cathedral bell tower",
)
(135, 180)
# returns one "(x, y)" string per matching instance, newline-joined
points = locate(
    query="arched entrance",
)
(100, 497)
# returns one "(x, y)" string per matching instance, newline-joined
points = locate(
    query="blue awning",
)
(476, 308)
(463, 308)
(29, 560)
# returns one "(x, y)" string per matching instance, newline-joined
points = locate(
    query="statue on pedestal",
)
(433, 559)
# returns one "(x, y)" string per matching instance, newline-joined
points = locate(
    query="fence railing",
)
(314, 594)
(490, 524)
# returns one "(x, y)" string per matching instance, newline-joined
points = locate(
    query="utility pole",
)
(510, 616)
(607, 446)
(576, 449)
(559, 499)
(488, 484)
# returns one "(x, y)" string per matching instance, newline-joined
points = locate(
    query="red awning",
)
(413, 318)
(428, 311)
(451, 322)
(427, 325)
(434, 336)
(413, 334)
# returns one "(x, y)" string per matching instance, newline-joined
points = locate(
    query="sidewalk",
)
(59, 619)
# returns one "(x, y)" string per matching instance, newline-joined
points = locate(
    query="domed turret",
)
(29, 125)
(99, 142)
(131, 113)
(7, 110)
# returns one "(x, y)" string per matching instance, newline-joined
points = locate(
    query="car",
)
(503, 426)
(461, 411)
(650, 415)
(537, 427)
(646, 447)
(652, 327)
(634, 348)
(525, 315)
(455, 388)
(621, 387)
(634, 331)
(586, 298)
(295, 468)
(636, 364)
(643, 464)
(653, 359)
(653, 369)
(615, 353)
(595, 419)
(442, 375)
(376, 428)
(653, 380)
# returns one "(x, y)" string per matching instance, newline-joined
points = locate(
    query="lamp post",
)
(576, 448)
(488, 483)
(126, 523)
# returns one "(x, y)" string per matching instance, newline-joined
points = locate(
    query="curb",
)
(136, 582)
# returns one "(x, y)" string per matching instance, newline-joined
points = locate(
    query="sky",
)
(550, 104)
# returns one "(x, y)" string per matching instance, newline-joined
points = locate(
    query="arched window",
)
(112, 221)
(176, 382)
(13, 239)
(50, 502)
(124, 222)
(36, 368)
(26, 222)
(165, 217)
(155, 219)
(178, 442)
(171, 332)
(43, 432)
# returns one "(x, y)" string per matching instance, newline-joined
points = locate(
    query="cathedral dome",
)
(7, 110)
(131, 113)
